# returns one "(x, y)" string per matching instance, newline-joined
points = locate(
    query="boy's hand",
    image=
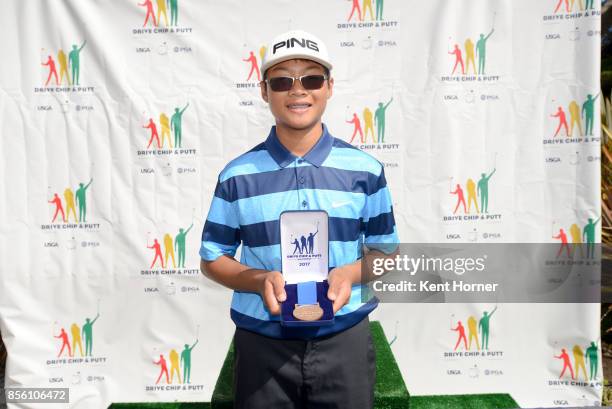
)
(340, 284)
(273, 291)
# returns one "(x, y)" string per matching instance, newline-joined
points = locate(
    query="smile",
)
(299, 107)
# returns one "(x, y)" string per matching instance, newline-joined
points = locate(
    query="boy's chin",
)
(298, 125)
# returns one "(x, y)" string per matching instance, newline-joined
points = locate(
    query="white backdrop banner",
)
(116, 118)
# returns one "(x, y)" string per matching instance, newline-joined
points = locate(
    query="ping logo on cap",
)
(290, 43)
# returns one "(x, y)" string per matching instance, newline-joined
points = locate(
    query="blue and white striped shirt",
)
(255, 188)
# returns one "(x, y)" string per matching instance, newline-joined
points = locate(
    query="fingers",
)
(274, 292)
(339, 293)
(270, 299)
(342, 298)
(279, 286)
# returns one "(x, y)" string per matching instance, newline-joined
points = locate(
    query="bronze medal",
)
(308, 312)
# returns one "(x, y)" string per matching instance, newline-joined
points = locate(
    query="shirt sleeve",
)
(379, 222)
(221, 233)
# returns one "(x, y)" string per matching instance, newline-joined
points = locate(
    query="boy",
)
(300, 166)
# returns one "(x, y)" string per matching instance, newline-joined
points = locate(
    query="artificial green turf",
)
(223, 394)
(484, 401)
(390, 391)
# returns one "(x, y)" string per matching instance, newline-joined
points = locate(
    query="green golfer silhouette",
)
(588, 236)
(186, 361)
(592, 356)
(481, 51)
(82, 200)
(74, 62)
(483, 327)
(173, 12)
(379, 9)
(179, 245)
(175, 125)
(379, 120)
(588, 109)
(88, 334)
(483, 191)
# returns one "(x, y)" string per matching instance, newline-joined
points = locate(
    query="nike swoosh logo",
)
(340, 204)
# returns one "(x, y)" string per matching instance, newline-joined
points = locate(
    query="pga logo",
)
(290, 43)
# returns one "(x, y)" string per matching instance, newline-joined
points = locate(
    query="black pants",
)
(338, 371)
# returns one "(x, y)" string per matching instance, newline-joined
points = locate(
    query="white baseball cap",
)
(295, 44)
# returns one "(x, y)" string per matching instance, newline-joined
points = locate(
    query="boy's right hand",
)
(273, 291)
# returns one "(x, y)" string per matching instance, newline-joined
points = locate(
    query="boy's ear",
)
(331, 88)
(264, 90)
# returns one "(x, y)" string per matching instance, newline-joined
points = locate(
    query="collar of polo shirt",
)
(315, 156)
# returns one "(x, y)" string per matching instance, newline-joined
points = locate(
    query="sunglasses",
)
(309, 82)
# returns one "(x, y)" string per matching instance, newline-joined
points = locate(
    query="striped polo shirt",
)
(255, 188)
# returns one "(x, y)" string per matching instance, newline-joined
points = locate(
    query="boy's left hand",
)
(340, 284)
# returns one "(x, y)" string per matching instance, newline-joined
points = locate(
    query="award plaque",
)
(304, 237)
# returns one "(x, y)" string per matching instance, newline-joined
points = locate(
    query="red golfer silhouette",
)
(357, 128)
(254, 67)
(564, 244)
(562, 121)
(566, 5)
(149, 5)
(358, 9)
(65, 342)
(460, 198)
(164, 369)
(151, 125)
(52, 71)
(458, 59)
(157, 247)
(461, 330)
(58, 207)
(566, 363)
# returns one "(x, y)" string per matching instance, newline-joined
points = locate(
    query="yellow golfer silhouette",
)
(368, 119)
(471, 191)
(576, 238)
(169, 247)
(174, 366)
(579, 361)
(473, 331)
(164, 122)
(574, 110)
(161, 9)
(367, 4)
(63, 62)
(469, 56)
(76, 338)
(70, 206)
